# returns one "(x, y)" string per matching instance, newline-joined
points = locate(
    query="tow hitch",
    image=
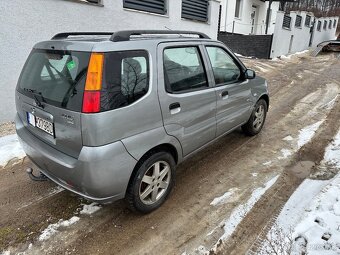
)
(40, 177)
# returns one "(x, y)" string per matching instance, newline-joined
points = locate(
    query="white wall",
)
(24, 23)
(301, 35)
(324, 35)
(243, 25)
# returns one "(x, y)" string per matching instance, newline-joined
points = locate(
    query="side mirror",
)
(250, 74)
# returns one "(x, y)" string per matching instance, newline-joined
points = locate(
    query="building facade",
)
(24, 23)
(247, 16)
(297, 31)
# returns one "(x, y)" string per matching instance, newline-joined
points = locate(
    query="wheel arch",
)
(165, 147)
(265, 97)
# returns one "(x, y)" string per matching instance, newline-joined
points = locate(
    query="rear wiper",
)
(35, 93)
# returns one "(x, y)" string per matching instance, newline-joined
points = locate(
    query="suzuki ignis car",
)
(110, 115)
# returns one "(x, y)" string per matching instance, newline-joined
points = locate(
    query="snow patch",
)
(291, 55)
(224, 198)
(306, 134)
(332, 153)
(310, 220)
(90, 209)
(231, 223)
(285, 153)
(288, 138)
(241, 56)
(53, 228)
(10, 148)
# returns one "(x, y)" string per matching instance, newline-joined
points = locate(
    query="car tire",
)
(152, 183)
(257, 119)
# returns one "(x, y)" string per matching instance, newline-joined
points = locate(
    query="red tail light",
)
(91, 101)
(93, 85)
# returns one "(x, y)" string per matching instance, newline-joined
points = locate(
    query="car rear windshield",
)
(55, 77)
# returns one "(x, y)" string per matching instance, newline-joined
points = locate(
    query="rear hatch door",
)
(49, 97)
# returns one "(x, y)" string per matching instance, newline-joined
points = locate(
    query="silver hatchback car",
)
(110, 115)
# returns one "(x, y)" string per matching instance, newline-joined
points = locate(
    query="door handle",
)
(175, 108)
(225, 94)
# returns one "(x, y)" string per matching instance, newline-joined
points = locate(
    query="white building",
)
(297, 31)
(247, 16)
(24, 23)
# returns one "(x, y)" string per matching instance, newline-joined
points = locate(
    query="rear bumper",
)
(99, 174)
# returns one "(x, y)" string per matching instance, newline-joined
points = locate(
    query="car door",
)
(232, 90)
(186, 97)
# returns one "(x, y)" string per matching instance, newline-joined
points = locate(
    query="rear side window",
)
(55, 77)
(183, 70)
(126, 78)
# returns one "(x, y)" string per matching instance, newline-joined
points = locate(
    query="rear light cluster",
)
(93, 85)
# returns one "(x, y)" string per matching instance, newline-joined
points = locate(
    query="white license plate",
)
(40, 123)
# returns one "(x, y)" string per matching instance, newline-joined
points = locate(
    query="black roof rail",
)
(124, 35)
(67, 34)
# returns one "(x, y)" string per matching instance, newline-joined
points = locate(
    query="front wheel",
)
(257, 119)
(152, 183)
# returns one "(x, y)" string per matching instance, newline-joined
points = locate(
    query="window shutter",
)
(195, 9)
(154, 6)
(286, 21)
(298, 21)
(319, 26)
(307, 21)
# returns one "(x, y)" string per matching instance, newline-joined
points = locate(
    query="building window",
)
(307, 21)
(286, 21)
(325, 25)
(298, 21)
(92, 2)
(238, 8)
(153, 6)
(330, 24)
(319, 26)
(195, 10)
(334, 23)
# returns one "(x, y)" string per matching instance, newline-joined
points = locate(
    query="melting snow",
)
(310, 221)
(10, 148)
(288, 138)
(285, 153)
(241, 211)
(306, 134)
(224, 198)
(90, 209)
(53, 228)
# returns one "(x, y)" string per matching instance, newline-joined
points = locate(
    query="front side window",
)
(183, 70)
(224, 67)
(126, 78)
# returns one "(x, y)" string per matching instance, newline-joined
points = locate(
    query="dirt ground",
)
(303, 92)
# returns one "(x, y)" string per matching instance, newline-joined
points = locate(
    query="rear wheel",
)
(152, 183)
(257, 119)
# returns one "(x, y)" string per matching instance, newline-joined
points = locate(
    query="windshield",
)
(55, 77)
